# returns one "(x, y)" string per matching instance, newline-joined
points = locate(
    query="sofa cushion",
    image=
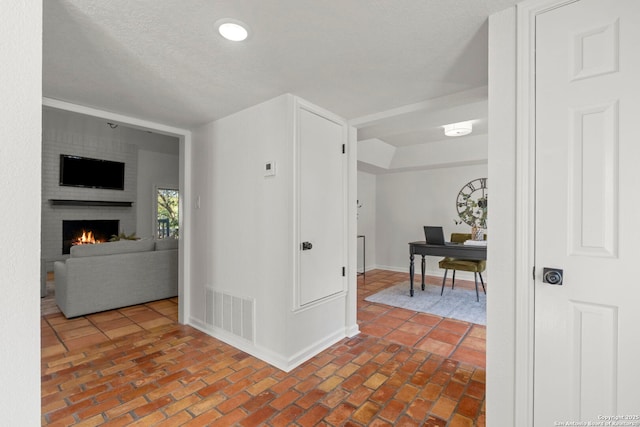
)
(110, 248)
(166, 244)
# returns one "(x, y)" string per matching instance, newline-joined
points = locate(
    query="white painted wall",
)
(154, 170)
(407, 201)
(244, 232)
(201, 263)
(20, 157)
(446, 153)
(503, 395)
(376, 153)
(243, 227)
(367, 218)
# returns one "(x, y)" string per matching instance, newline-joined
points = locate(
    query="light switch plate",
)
(270, 169)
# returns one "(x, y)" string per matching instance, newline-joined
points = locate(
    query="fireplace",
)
(101, 230)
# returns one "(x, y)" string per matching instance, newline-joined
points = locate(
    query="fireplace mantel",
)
(69, 202)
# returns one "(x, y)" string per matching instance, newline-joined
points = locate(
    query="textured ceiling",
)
(164, 61)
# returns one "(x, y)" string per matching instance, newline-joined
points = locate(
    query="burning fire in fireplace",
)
(86, 239)
(87, 231)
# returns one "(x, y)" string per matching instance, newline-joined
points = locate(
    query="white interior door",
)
(322, 206)
(587, 212)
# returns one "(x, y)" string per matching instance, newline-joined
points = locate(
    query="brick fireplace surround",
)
(87, 138)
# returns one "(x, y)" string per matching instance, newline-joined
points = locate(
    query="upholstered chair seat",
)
(476, 267)
(463, 265)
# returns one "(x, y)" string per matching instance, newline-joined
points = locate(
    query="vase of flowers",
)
(477, 233)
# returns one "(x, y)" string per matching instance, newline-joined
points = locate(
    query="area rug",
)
(457, 304)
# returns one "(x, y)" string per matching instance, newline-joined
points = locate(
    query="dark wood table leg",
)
(411, 269)
(422, 270)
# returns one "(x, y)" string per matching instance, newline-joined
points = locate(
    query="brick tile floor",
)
(138, 366)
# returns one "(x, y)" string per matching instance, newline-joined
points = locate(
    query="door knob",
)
(552, 276)
(306, 246)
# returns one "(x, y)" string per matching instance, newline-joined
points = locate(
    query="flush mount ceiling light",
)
(232, 29)
(458, 129)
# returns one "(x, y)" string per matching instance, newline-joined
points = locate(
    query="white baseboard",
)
(463, 275)
(314, 349)
(352, 331)
(368, 268)
(393, 268)
(277, 360)
(265, 355)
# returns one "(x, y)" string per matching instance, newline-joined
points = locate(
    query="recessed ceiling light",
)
(458, 129)
(232, 29)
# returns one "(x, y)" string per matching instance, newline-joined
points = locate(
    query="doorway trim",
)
(527, 13)
(185, 141)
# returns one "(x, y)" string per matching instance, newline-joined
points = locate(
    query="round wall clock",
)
(471, 203)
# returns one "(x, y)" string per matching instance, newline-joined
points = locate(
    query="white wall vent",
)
(231, 313)
(208, 306)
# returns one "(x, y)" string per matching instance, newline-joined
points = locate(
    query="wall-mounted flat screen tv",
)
(78, 171)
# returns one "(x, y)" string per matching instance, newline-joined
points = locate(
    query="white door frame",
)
(510, 315)
(184, 137)
(503, 376)
(527, 12)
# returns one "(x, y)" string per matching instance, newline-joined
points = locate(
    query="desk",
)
(454, 251)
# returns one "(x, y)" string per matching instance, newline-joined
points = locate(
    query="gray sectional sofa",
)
(116, 274)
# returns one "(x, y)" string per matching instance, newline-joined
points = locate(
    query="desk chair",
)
(477, 267)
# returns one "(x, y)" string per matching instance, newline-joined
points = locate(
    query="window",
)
(167, 213)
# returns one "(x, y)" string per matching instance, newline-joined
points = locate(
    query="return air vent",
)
(208, 309)
(230, 313)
